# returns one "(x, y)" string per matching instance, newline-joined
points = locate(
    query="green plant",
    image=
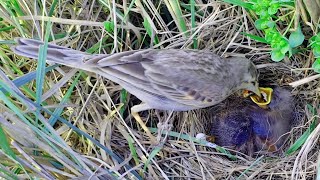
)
(315, 45)
(281, 46)
(265, 9)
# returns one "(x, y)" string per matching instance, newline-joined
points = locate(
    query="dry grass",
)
(94, 104)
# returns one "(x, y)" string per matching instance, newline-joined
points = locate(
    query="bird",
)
(242, 125)
(163, 79)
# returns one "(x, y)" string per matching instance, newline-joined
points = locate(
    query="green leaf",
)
(109, 26)
(316, 50)
(269, 34)
(42, 54)
(313, 39)
(277, 55)
(285, 46)
(270, 24)
(276, 36)
(52, 7)
(317, 38)
(273, 9)
(178, 16)
(296, 38)
(7, 28)
(257, 38)
(316, 65)
(262, 13)
(261, 24)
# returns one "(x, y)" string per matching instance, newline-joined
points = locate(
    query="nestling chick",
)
(242, 125)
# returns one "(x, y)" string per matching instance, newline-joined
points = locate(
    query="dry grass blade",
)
(305, 80)
(94, 135)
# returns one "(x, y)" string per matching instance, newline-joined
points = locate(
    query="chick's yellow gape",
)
(264, 99)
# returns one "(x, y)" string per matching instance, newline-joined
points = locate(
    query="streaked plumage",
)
(171, 79)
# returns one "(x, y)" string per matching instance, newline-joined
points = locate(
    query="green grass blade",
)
(176, 13)
(52, 7)
(40, 73)
(22, 80)
(150, 31)
(301, 140)
(41, 68)
(4, 144)
(6, 28)
(250, 167)
(201, 142)
(256, 38)
(97, 143)
(123, 99)
(8, 175)
(193, 23)
(152, 155)
(239, 3)
(52, 120)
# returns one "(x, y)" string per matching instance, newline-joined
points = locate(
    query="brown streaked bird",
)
(242, 125)
(164, 79)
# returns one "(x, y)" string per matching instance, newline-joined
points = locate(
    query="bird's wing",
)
(195, 78)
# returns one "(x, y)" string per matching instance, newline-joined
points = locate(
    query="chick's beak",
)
(264, 100)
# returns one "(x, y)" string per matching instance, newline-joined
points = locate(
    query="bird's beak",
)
(252, 90)
(256, 90)
(265, 98)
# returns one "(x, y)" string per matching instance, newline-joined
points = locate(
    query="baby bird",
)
(242, 125)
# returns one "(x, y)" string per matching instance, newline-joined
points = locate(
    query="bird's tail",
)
(57, 54)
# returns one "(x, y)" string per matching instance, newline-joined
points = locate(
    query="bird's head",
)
(249, 83)
(246, 72)
(250, 79)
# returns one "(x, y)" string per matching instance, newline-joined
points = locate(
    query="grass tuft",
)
(61, 124)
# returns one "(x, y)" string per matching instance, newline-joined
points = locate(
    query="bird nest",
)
(101, 108)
